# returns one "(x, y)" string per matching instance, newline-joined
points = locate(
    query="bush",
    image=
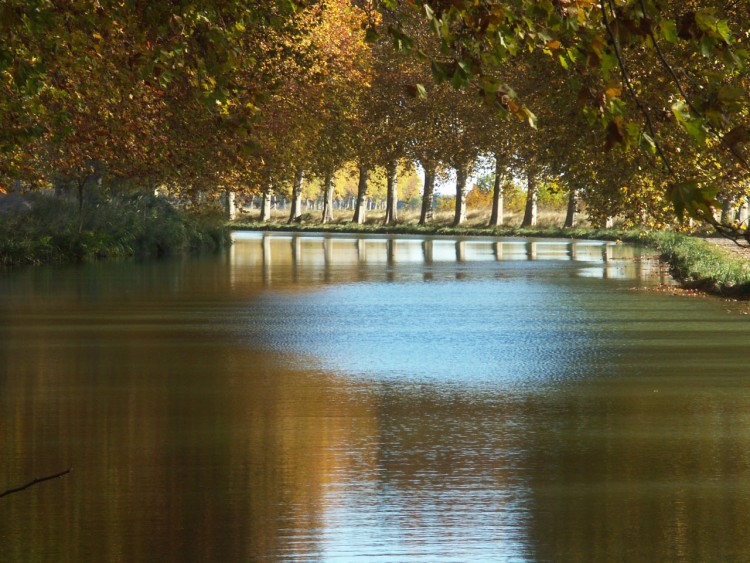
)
(55, 229)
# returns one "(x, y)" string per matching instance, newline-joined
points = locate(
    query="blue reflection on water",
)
(475, 333)
(456, 348)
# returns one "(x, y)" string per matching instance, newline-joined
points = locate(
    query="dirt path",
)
(741, 250)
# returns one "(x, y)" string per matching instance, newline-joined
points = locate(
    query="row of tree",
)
(257, 98)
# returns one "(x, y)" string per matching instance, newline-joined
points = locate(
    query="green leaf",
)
(490, 85)
(707, 45)
(668, 30)
(697, 131)
(459, 78)
(608, 62)
(401, 41)
(722, 27)
(688, 196)
(439, 71)
(693, 125)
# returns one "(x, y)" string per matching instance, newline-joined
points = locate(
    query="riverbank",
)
(696, 262)
(711, 265)
(44, 229)
(442, 230)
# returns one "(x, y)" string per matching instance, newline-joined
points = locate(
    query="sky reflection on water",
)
(373, 399)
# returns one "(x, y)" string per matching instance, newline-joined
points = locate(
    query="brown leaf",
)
(615, 134)
(584, 97)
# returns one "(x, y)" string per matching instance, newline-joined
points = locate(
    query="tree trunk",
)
(743, 213)
(727, 215)
(460, 215)
(328, 198)
(265, 206)
(532, 196)
(359, 210)
(428, 195)
(229, 204)
(498, 196)
(570, 216)
(296, 213)
(80, 184)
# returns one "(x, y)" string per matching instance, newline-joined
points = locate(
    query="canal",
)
(373, 398)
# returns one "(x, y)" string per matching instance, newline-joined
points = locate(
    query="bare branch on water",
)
(34, 482)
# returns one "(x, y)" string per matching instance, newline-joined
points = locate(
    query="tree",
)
(651, 60)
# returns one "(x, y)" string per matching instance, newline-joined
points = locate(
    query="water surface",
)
(342, 398)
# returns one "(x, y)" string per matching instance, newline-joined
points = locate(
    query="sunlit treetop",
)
(634, 60)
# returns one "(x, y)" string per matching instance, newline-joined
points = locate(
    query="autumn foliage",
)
(637, 109)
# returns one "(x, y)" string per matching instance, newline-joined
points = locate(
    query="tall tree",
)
(689, 58)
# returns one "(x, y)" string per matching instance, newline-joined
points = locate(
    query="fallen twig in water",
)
(34, 482)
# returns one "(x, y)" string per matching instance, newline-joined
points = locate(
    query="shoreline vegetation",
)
(42, 228)
(48, 229)
(695, 261)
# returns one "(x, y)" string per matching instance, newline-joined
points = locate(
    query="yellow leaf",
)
(613, 92)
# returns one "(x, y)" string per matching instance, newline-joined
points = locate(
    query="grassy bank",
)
(437, 229)
(699, 263)
(49, 229)
(695, 262)
(585, 233)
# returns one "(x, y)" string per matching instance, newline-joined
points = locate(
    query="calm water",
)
(370, 399)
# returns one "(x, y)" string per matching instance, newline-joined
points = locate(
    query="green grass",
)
(403, 229)
(700, 264)
(54, 230)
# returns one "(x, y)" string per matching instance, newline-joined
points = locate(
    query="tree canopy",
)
(636, 105)
(668, 77)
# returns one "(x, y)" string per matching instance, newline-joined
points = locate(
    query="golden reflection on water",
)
(192, 439)
(167, 461)
(344, 258)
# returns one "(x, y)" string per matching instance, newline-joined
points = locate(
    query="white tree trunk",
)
(460, 215)
(296, 212)
(532, 197)
(359, 211)
(265, 206)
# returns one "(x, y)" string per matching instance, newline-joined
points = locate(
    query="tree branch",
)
(684, 95)
(629, 87)
(34, 482)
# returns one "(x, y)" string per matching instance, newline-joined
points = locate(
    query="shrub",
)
(55, 229)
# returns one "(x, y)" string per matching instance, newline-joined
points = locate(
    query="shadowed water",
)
(343, 398)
